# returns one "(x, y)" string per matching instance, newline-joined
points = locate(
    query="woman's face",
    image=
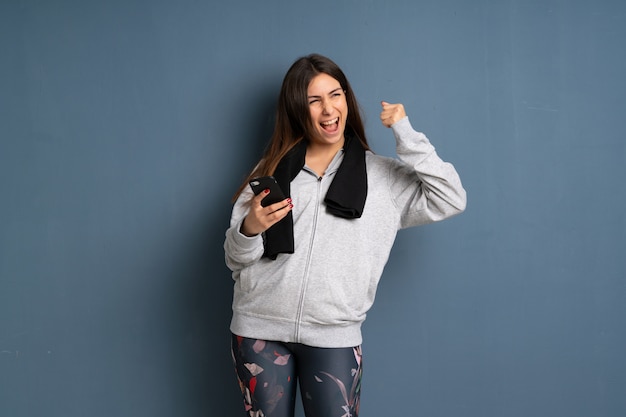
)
(329, 110)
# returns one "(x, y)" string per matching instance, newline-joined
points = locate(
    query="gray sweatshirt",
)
(319, 295)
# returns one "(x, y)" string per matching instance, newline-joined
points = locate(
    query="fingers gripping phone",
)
(263, 183)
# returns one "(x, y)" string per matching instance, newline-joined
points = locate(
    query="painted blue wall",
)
(125, 126)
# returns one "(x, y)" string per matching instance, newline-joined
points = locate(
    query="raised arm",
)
(425, 188)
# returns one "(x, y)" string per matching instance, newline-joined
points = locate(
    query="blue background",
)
(125, 127)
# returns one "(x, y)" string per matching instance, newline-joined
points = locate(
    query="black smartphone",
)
(263, 183)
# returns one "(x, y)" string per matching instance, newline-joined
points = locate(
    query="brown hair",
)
(293, 118)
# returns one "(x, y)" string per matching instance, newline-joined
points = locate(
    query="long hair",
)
(293, 118)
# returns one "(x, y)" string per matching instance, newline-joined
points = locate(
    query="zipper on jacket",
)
(305, 279)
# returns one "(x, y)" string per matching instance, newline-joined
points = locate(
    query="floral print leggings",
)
(268, 373)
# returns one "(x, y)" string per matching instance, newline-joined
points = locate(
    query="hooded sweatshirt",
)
(320, 294)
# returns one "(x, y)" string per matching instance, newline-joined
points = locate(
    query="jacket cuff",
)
(402, 126)
(245, 242)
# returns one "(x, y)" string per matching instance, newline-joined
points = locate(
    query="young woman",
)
(306, 268)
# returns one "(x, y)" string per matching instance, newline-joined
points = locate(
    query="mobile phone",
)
(263, 183)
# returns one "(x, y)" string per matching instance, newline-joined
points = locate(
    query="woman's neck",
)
(318, 157)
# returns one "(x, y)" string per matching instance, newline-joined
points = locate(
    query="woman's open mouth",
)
(330, 125)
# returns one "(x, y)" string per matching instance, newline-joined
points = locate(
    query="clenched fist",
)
(391, 113)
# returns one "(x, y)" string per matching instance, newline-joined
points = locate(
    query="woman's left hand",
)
(391, 113)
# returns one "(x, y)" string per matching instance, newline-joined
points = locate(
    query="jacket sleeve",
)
(425, 188)
(239, 249)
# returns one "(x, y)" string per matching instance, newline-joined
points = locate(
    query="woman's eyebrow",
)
(333, 91)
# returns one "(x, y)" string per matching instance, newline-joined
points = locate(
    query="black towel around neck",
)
(345, 197)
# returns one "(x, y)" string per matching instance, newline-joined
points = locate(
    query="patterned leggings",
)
(330, 379)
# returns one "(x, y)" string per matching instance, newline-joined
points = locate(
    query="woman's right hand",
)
(260, 218)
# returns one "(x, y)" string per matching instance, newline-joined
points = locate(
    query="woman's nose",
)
(326, 107)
